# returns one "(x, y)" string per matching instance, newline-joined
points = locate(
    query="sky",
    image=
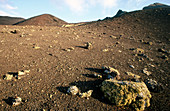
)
(72, 11)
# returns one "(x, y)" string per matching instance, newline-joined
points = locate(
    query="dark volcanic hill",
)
(151, 6)
(155, 5)
(5, 20)
(43, 20)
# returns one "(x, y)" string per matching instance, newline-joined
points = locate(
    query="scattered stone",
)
(86, 94)
(36, 47)
(163, 51)
(94, 75)
(16, 101)
(165, 57)
(8, 77)
(140, 59)
(109, 71)
(112, 36)
(16, 75)
(127, 93)
(143, 55)
(105, 50)
(146, 72)
(14, 31)
(88, 45)
(141, 41)
(23, 72)
(132, 66)
(71, 48)
(50, 46)
(153, 85)
(51, 96)
(151, 65)
(68, 50)
(133, 75)
(24, 35)
(120, 51)
(117, 42)
(137, 50)
(73, 90)
(97, 75)
(150, 43)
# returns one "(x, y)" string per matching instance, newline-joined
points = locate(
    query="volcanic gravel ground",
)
(63, 60)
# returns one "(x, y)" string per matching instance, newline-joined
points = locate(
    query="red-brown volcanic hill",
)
(43, 20)
(5, 20)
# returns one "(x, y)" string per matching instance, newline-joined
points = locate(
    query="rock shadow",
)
(96, 70)
(90, 76)
(85, 86)
(62, 89)
(91, 85)
(9, 100)
(84, 47)
(13, 73)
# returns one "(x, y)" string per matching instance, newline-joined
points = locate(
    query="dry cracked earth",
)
(57, 58)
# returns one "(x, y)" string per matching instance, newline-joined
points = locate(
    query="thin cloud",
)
(76, 5)
(7, 6)
(108, 3)
(2, 13)
(2, 1)
(138, 2)
(7, 9)
(84, 5)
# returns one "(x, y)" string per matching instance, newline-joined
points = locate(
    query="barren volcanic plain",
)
(57, 58)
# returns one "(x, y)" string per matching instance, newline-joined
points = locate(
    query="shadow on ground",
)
(96, 70)
(88, 85)
(83, 47)
(9, 100)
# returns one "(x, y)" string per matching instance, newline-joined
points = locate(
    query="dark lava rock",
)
(153, 85)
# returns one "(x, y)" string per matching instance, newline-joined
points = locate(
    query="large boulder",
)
(126, 93)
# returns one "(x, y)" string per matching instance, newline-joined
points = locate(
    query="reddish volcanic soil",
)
(45, 51)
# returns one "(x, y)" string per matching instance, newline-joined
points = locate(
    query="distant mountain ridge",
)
(43, 20)
(6, 20)
(151, 6)
(155, 5)
(120, 13)
(50, 20)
